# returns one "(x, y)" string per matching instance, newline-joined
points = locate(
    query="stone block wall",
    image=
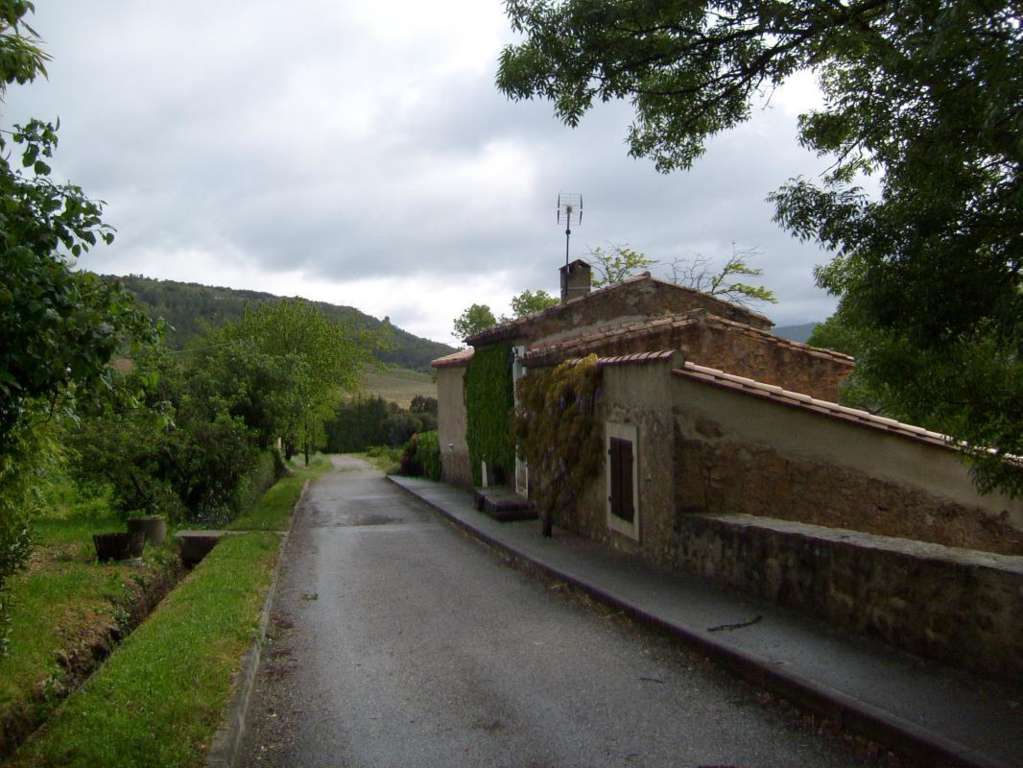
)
(636, 394)
(758, 355)
(959, 607)
(718, 343)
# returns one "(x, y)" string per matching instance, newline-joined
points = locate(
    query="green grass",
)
(273, 511)
(159, 698)
(387, 460)
(62, 602)
(399, 385)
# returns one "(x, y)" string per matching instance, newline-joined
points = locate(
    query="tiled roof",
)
(823, 407)
(636, 358)
(461, 357)
(510, 329)
(591, 342)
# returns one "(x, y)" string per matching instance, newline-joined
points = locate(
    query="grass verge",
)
(68, 612)
(273, 511)
(158, 700)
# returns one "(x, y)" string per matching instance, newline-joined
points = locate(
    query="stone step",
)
(504, 505)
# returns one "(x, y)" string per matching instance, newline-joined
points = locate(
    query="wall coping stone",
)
(921, 550)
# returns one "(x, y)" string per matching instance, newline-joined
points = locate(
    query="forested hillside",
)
(190, 307)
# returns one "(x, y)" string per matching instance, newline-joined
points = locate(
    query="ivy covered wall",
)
(489, 408)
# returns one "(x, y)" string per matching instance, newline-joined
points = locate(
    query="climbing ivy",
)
(489, 403)
(558, 433)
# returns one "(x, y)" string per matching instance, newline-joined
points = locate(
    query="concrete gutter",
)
(854, 715)
(224, 747)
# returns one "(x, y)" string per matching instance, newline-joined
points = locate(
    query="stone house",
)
(728, 455)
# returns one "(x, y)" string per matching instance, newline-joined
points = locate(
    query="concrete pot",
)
(118, 546)
(154, 528)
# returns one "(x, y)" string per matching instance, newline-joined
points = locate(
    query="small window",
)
(622, 493)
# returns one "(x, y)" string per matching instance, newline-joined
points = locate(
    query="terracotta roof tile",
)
(461, 357)
(633, 358)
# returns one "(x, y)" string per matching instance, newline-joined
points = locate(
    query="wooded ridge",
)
(188, 308)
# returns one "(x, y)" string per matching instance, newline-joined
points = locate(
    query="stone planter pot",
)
(153, 528)
(118, 546)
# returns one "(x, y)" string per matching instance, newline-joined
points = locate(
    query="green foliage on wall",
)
(489, 402)
(559, 434)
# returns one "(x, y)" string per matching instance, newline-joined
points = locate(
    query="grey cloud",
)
(305, 143)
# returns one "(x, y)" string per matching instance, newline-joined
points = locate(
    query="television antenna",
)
(570, 204)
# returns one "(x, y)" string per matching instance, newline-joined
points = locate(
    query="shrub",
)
(253, 485)
(428, 454)
(27, 468)
(409, 464)
(421, 456)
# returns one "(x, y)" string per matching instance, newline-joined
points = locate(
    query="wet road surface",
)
(396, 641)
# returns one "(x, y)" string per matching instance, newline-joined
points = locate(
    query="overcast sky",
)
(362, 156)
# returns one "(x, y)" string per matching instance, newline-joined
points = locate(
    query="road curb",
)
(224, 747)
(852, 714)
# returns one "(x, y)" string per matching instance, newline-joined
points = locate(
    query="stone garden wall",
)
(958, 606)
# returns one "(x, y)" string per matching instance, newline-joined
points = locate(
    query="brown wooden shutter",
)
(627, 513)
(620, 458)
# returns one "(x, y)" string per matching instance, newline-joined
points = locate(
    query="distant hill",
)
(795, 332)
(189, 307)
(399, 385)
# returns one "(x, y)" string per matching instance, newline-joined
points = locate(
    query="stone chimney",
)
(575, 280)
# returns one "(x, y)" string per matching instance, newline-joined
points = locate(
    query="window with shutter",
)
(620, 459)
(622, 514)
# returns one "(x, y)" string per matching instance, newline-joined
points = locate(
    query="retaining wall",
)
(958, 606)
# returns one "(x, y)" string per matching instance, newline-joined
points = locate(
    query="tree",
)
(423, 404)
(924, 94)
(319, 360)
(474, 319)
(697, 273)
(617, 263)
(529, 302)
(58, 327)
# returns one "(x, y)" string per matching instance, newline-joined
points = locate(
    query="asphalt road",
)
(398, 642)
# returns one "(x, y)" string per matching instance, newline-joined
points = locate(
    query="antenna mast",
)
(569, 204)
